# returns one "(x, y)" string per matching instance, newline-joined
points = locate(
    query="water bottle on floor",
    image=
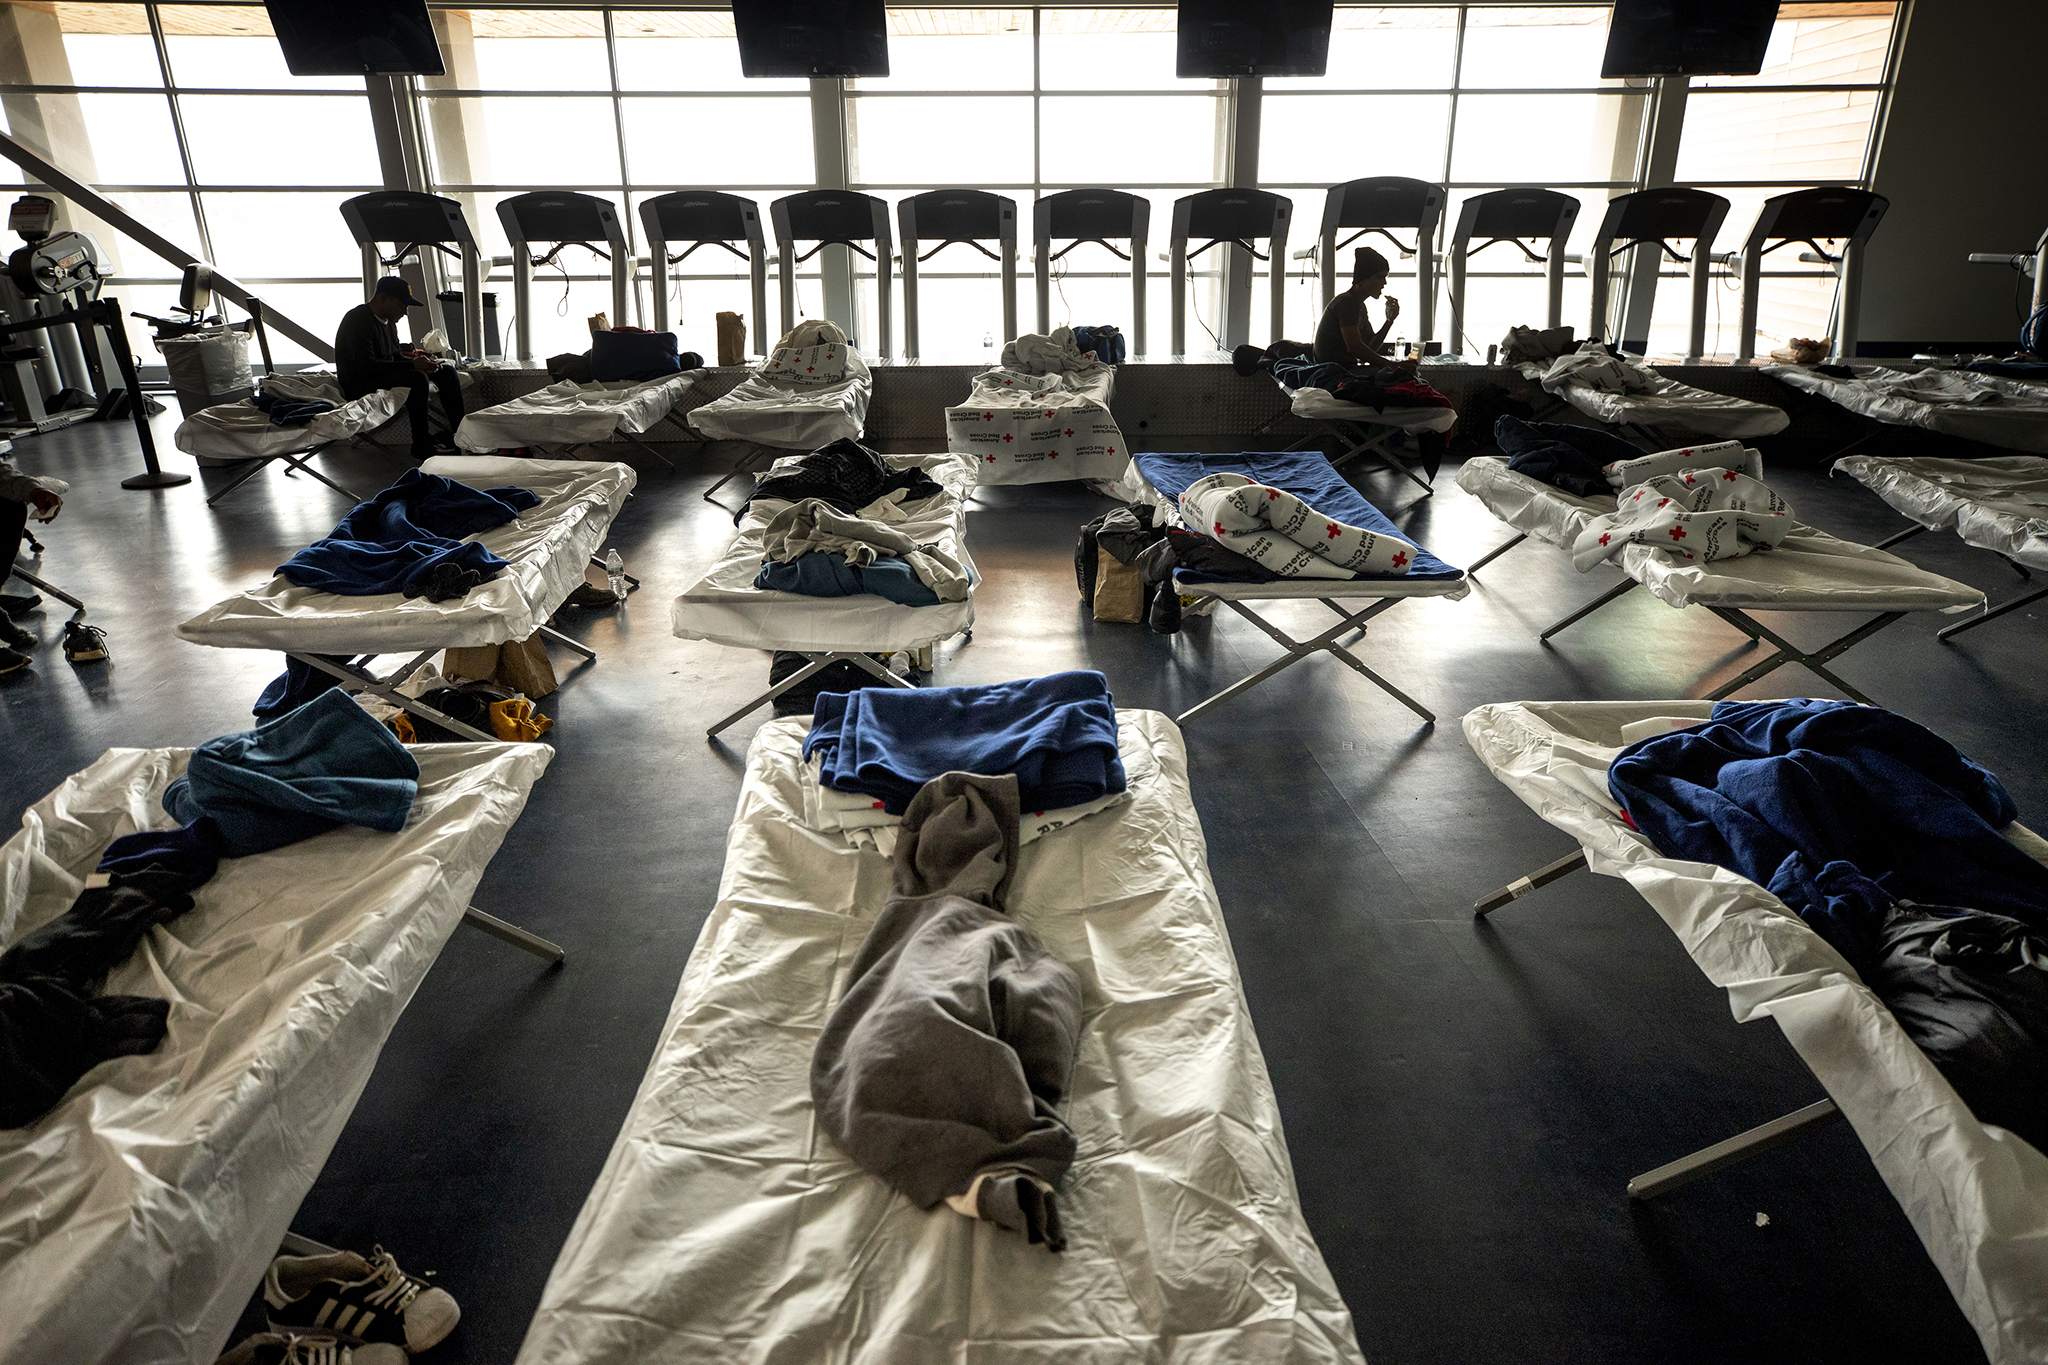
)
(615, 568)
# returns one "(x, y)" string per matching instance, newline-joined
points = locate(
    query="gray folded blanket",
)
(942, 1066)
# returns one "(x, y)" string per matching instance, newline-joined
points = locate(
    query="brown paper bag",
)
(599, 323)
(1119, 591)
(524, 667)
(732, 339)
(478, 663)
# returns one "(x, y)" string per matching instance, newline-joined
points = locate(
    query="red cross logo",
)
(1401, 559)
(1111, 450)
(1006, 438)
(1688, 476)
(1335, 531)
(1678, 533)
(1729, 475)
(1638, 498)
(1219, 528)
(876, 806)
(810, 369)
(1663, 503)
(1604, 539)
(1008, 382)
(1048, 412)
(1272, 495)
(1685, 454)
(988, 417)
(1070, 431)
(776, 366)
(991, 459)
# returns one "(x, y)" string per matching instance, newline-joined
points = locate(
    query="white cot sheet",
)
(1811, 571)
(1998, 504)
(572, 414)
(726, 608)
(1135, 487)
(1321, 405)
(1027, 428)
(2017, 419)
(547, 547)
(777, 407)
(1669, 406)
(234, 432)
(724, 1228)
(1976, 1195)
(137, 1216)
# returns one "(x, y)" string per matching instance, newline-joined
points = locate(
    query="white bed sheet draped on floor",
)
(2017, 419)
(233, 432)
(1976, 1195)
(547, 548)
(1811, 571)
(1998, 504)
(726, 608)
(1322, 405)
(137, 1216)
(725, 1227)
(572, 414)
(795, 400)
(1665, 405)
(1030, 428)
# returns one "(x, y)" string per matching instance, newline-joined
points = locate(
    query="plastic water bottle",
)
(988, 341)
(615, 568)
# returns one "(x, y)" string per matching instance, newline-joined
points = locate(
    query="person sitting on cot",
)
(1346, 336)
(367, 358)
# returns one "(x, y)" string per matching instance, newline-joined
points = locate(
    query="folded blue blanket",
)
(1840, 810)
(828, 575)
(290, 412)
(408, 539)
(1308, 475)
(328, 763)
(1056, 733)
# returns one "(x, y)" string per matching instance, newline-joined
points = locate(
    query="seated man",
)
(367, 357)
(1346, 336)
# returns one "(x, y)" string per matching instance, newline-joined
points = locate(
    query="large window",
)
(185, 116)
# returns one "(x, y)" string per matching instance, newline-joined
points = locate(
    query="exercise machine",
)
(962, 217)
(1509, 216)
(422, 228)
(1833, 213)
(1653, 218)
(1101, 217)
(1384, 204)
(1233, 218)
(705, 218)
(561, 219)
(834, 218)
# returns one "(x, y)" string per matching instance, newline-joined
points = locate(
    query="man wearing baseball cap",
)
(367, 357)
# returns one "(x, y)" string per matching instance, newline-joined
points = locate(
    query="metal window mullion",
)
(611, 56)
(163, 58)
(1895, 52)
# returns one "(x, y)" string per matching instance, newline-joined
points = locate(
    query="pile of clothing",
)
(1886, 840)
(942, 1067)
(1059, 352)
(288, 410)
(1595, 365)
(1696, 515)
(1126, 558)
(1295, 366)
(410, 539)
(1527, 346)
(839, 535)
(1283, 534)
(325, 765)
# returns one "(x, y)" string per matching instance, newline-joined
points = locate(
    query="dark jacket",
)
(366, 354)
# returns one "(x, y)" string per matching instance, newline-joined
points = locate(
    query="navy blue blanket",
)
(823, 574)
(408, 537)
(1308, 475)
(1840, 810)
(1563, 456)
(326, 764)
(290, 412)
(1056, 733)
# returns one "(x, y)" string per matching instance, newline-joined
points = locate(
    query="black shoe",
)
(11, 662)
(592, 597)
(366, 1297)
(14, 604)
(14, 637)
(84, 644)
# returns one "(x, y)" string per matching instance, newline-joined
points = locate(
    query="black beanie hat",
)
(1365, 263)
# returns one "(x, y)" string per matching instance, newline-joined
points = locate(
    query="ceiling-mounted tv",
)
(355, 37)
(1688, 37)
(1224, 38)
(812, 37)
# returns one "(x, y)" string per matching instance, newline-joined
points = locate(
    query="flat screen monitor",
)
(812, 37)
(1688, 37)
(1224, 38)
(356, 37)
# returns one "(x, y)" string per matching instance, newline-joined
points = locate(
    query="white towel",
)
(1703, 515)
(1273, 528)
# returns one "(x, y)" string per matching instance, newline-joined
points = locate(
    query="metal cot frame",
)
(1990, 613)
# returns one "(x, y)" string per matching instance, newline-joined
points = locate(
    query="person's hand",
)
(424, 363)
(1411, 364)
(1393, 308)
(46, 503)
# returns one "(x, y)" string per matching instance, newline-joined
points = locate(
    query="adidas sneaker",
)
(312, 1348)
(84, 644)
(368, 1297)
